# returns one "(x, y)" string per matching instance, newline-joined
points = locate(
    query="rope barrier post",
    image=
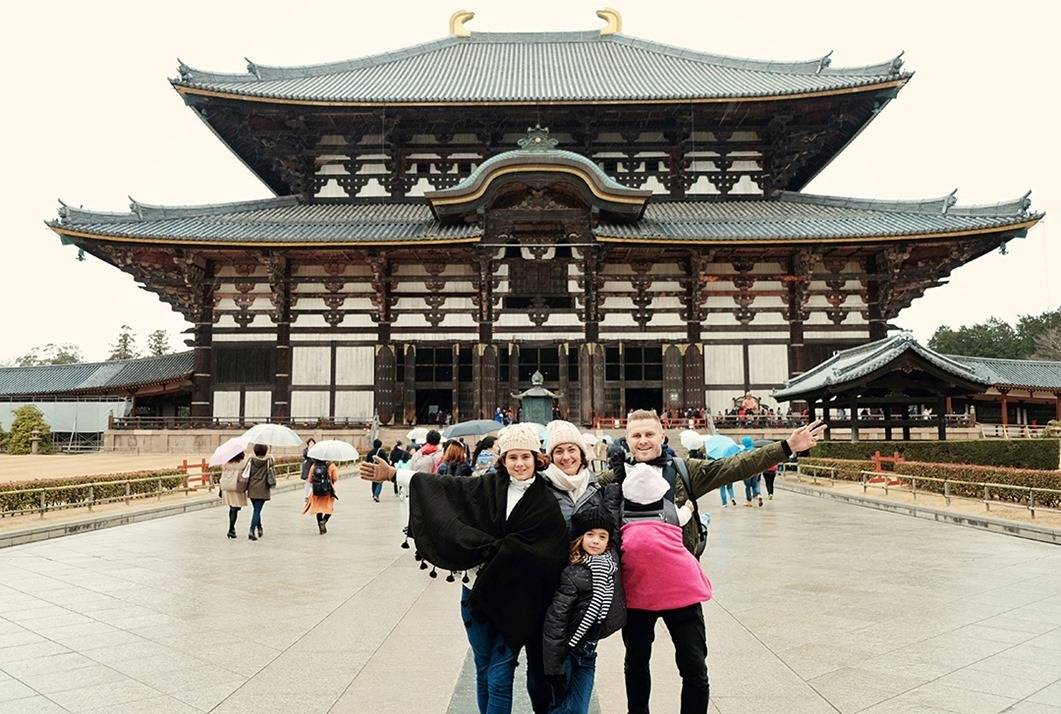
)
(91, 496)
(946, 491)
(1031, 501)
(42, 503)
(913, 486)
(987, 498)
(160, 488)
(128, 485)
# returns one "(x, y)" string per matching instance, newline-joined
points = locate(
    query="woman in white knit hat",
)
(574, 485)
(507, 530)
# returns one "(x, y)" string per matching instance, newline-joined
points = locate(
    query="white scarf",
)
(574, 486)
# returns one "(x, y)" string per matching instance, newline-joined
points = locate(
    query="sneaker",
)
(261, 533)
(251, 536)
(232, 534)
(770, 497)
(376, 499)
(733, 502)
(760, 501)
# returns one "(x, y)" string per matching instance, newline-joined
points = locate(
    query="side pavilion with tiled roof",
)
(623, 216)
(887, 376)
(1023, 392)
(82, 398)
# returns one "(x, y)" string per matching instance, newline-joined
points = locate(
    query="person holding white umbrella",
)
(323, 476)
(261, 479)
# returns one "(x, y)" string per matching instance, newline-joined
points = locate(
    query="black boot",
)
(233, 512)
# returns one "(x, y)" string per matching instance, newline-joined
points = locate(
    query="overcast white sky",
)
(89, 116)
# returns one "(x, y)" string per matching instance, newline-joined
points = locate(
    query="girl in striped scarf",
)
(587, 607)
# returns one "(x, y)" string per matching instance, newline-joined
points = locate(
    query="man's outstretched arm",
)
(707, 475)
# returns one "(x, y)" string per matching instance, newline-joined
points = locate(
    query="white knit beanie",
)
(562, 432)
(518, 436)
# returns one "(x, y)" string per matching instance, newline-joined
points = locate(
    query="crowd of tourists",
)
(554, 557)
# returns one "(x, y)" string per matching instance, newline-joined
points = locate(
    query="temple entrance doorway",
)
(429, 402)
(642, 398)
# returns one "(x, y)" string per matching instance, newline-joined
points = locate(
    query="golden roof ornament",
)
(456, 23)
(614, 20)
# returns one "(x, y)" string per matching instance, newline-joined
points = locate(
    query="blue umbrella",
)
(720, 447)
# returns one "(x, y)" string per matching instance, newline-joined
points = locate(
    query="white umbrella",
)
(332, 450)
(224, 453)
(418, 434)
(272, 435)
(691, 440)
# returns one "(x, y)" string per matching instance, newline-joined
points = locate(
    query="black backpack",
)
(322, 485)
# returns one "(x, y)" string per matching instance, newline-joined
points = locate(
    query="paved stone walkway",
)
(820, 607)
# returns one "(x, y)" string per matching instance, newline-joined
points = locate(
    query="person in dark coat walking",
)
(261, 480)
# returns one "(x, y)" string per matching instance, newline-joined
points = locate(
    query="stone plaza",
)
(819, 607)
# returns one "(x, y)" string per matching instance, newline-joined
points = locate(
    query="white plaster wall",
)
(309, 405)
(258, 405)
(311, 365)
(226, 405)
(723, 364)
(768, 364)
(354, 405)
(355, 365)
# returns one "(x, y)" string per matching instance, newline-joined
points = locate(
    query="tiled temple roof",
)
(851, 364)
(793, 217)
(517, 67)
(94, 377)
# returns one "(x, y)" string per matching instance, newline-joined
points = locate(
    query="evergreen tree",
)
(3, 438)
(28, 419)
(125, 346)
(158, 343)
(993, 338)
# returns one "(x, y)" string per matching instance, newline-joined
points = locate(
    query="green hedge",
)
(1017, 453)
(72, 493)
(849, 470)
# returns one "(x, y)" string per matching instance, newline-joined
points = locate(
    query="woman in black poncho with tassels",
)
(506, 530)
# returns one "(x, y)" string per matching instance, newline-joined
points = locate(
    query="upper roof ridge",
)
(258, 72)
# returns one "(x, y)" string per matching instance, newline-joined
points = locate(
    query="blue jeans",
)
(377, 488)
(726, 494)
(580, 668)
(256, 515)
(495, 663)
(751, 487)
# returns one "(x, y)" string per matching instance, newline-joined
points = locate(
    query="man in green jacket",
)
(644, 436)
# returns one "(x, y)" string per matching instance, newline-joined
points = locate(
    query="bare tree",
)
(1048, 344)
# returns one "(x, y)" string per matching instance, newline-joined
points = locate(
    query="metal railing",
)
(170, 422)
(815, 472)
(908, 484)
(1011, 431)
(1029, 496)
(127, 492)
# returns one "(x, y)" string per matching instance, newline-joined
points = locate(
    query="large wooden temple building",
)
(623, 216)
